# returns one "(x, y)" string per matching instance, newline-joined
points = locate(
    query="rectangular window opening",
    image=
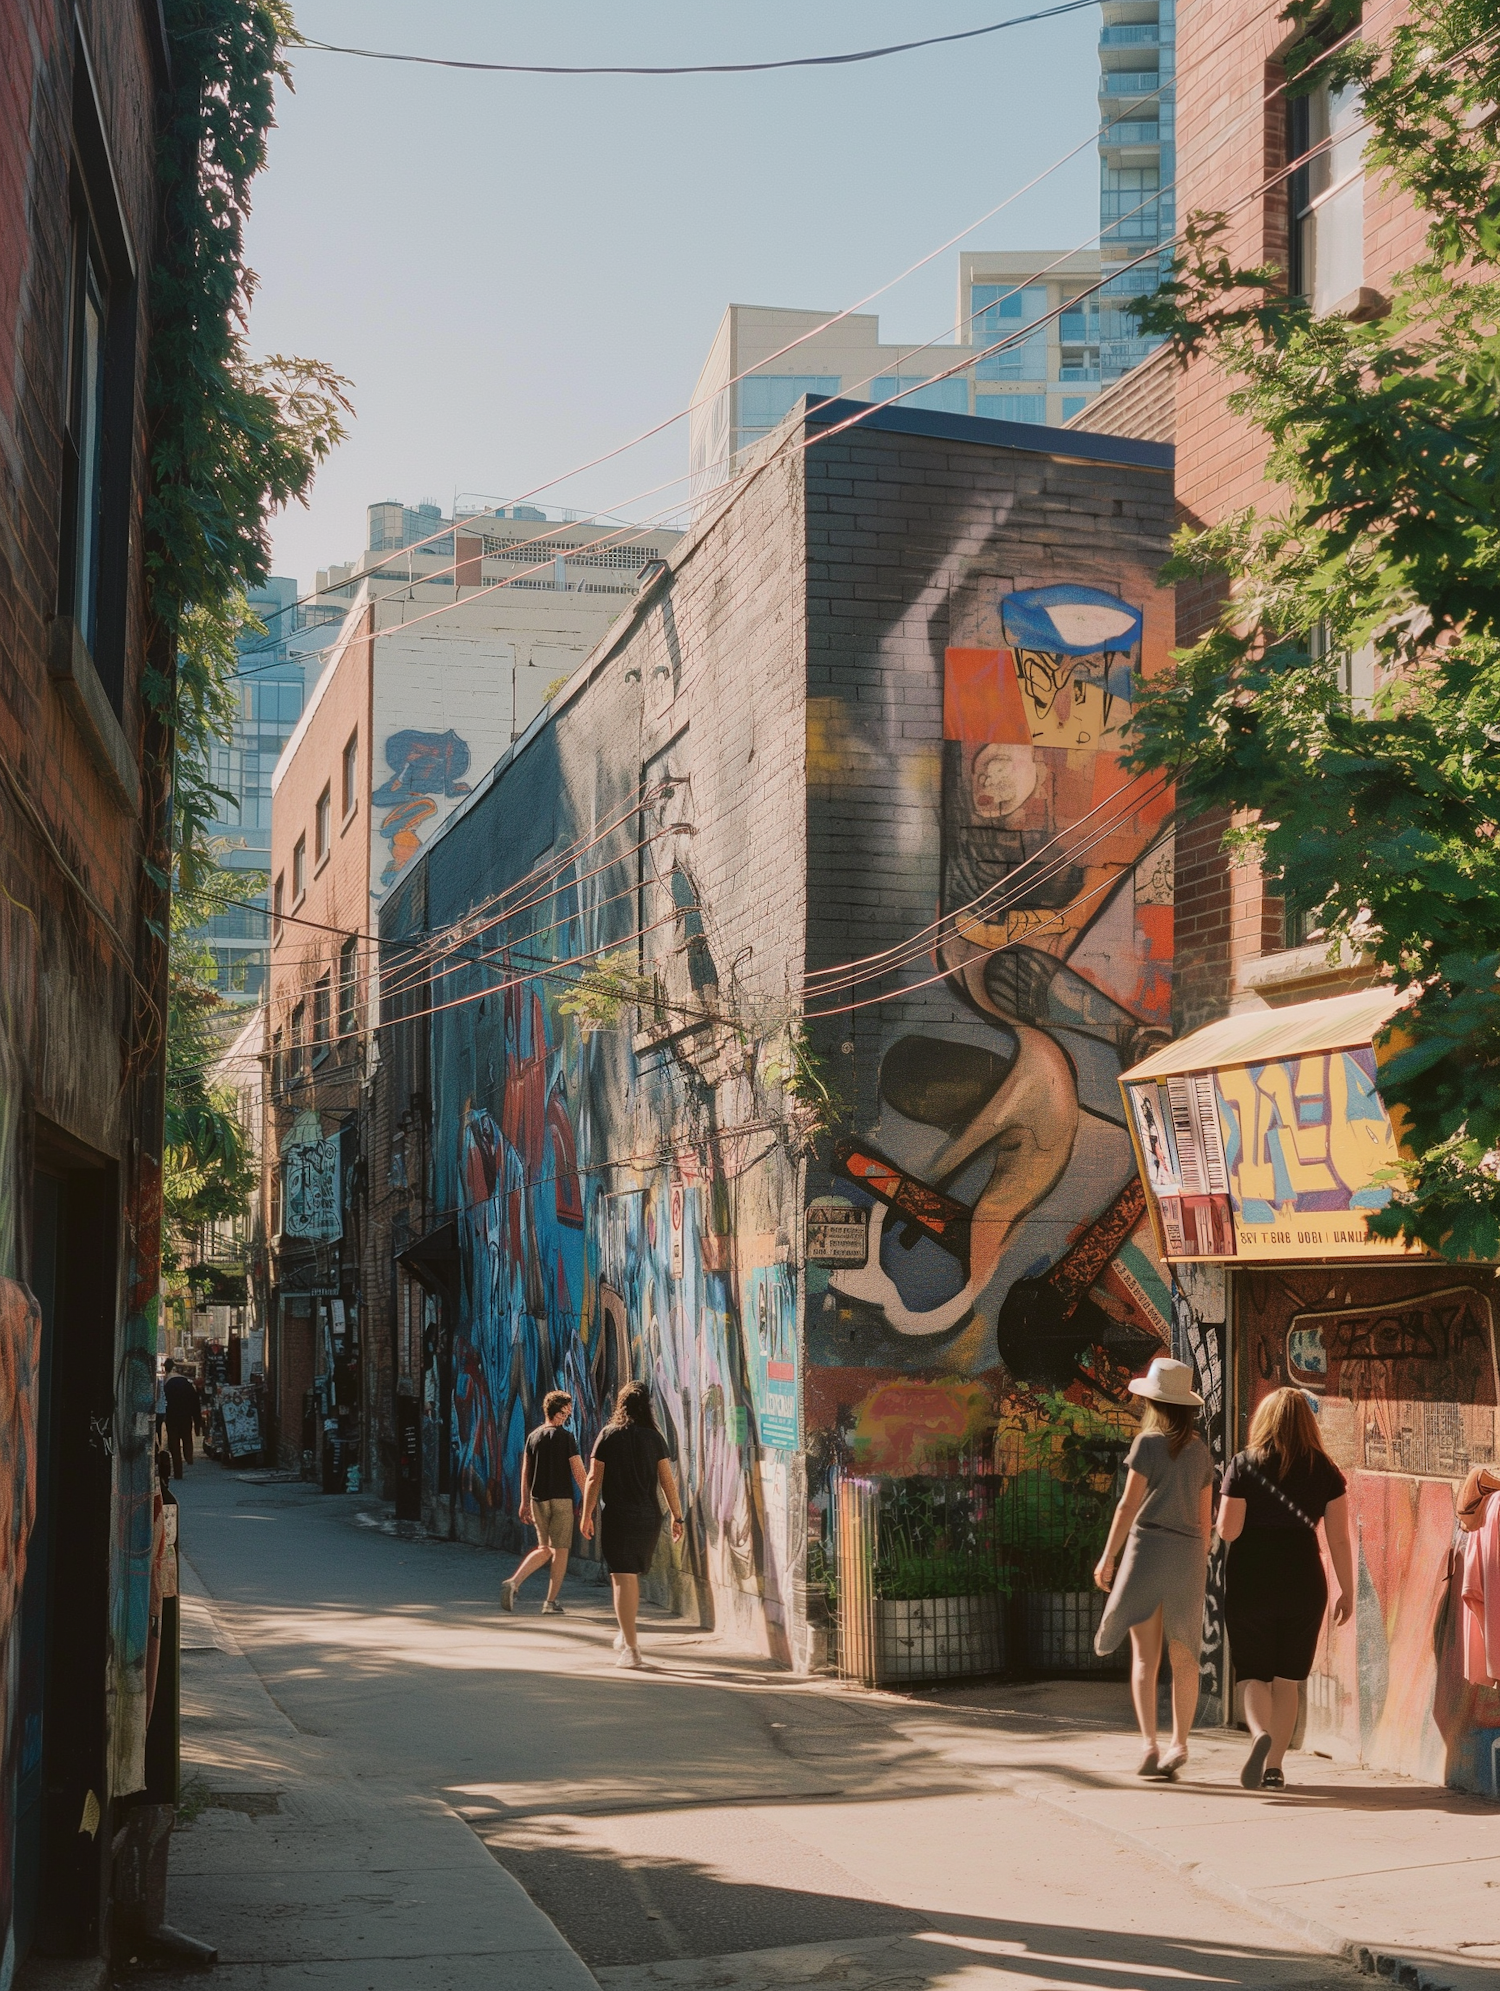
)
(348, 986)
(323, 824)
(321, 1019)
(299, 869)
(349, 790)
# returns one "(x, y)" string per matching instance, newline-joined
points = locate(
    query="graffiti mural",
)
(1005, 1215)
(422, 765)
(1400, 1365)
(568, 1283)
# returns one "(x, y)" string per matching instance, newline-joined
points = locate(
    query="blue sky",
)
(520, 272)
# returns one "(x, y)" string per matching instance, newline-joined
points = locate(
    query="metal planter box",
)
(938, 1638)
(1059, 1629)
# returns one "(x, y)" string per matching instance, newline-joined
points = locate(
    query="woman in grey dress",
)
(1162, 1522)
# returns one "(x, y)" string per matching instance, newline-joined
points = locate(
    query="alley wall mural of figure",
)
(1007, 1228)
(571, 1281)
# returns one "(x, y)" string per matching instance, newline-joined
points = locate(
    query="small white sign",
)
(838, 1233)
(675, 1198)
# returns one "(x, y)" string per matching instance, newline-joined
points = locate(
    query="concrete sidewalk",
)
(1351, 1860)
(303, 1875)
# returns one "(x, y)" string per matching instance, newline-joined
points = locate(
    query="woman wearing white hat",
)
(1162, 1523)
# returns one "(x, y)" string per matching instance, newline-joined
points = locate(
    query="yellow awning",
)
(1257, 1036)
(1263, 1136)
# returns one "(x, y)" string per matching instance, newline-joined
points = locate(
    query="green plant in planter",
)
(939, 1538)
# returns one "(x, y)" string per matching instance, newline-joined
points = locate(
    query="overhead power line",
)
(693, 68)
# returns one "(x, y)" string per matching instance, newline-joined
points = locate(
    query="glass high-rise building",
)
(1138, 166)
(277, 669)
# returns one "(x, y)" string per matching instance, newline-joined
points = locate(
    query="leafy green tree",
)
(1379, 542)
(233, 439)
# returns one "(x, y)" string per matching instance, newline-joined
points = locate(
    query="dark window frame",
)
(102, 259)
(323, 824)
(322, 1018)
(349, 776)
(348, 1018)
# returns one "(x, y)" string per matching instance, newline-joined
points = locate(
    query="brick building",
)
(1304, 1297)
(835, 812)
(82, 978)
(436, 670)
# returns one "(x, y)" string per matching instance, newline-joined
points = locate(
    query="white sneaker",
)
(630, 1658)
(552, 1609)
(507, 1595)
(619, 1641)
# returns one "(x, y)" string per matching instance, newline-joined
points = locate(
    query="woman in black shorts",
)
(1276, 1492)
(632, 1455)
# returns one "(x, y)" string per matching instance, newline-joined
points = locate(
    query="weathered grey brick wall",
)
(920, 544)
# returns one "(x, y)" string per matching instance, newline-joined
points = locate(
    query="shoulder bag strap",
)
(1286, 1500)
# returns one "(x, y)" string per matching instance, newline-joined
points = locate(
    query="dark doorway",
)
(74, 1266)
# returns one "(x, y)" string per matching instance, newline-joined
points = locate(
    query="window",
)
(278, 898)
(349, 789)
(323, 824)
(83, 435)
(299, 869)
(299, 1038)
(348, 986)
(766, 399)
(278, 1074)
(1012, 407)
(948, 397)
(1000, 313)
(321, 1019)
(1073, 404)
(1327, 196)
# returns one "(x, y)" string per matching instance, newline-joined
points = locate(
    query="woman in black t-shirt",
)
(632, 1454)
(1276, 1493)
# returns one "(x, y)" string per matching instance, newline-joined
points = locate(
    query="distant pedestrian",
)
(1163, 1523)
(628, 1470)
(183, 1415)
(1276, 1492)
(550, 1467)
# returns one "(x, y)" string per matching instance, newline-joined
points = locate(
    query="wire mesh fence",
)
(982, 1566)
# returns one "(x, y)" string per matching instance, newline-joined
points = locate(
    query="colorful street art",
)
(569, 1283)
(423, 765)
(1005, 1214)
(1400, 1363)
(1272, 1160)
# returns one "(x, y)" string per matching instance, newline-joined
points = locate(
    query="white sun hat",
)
(1167, 1381)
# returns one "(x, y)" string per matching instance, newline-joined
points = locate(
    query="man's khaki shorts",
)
(554, 1524)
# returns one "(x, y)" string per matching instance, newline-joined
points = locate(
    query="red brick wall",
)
(1231, 139)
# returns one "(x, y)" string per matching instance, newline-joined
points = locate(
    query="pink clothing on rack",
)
(1481, 1595)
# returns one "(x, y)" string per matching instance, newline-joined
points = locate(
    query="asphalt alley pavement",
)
(392, 1783)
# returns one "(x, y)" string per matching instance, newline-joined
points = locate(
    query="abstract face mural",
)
(1005, 1213)
(423, 765)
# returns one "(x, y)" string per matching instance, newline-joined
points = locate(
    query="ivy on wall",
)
(232, 439)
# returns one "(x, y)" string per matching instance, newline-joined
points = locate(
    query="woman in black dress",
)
(634, 1454)
(1276, 1493)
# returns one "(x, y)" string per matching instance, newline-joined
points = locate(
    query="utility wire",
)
(694, 68)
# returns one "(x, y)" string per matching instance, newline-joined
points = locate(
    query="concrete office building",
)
(1046, 379)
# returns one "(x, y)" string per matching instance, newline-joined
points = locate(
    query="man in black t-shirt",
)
(182, 1415)
(550, 1469)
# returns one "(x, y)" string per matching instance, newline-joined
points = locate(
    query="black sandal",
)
(1255, 1763)
(1272, 1780)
